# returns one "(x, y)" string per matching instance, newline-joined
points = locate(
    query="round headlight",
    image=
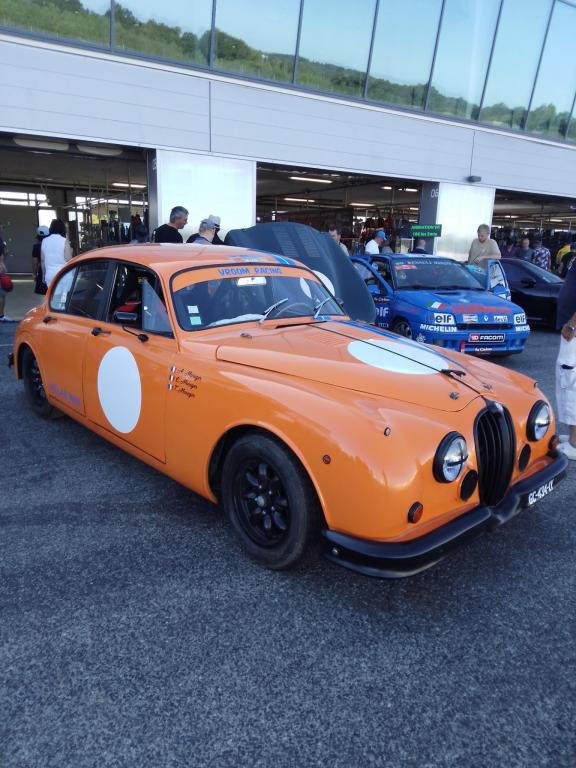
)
(538, 421)
(450, 458)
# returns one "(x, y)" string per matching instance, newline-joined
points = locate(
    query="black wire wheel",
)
(34, 386)
(403, 328)
(269, 500)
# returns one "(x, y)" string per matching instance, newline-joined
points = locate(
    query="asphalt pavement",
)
(133, 632)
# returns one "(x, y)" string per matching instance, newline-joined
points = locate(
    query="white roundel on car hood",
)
(387, 355)
(120, 389)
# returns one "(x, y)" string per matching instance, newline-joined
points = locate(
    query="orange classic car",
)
(238, 374)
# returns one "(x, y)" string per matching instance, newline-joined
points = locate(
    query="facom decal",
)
(480, 337)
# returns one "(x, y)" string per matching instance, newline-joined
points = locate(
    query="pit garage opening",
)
(357, 204)
(99, 191)
(519, 214)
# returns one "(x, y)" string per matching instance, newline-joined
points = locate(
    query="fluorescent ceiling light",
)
(55, 146)
(362, 205)
(299, 200)
(412, 209)
(560, 220)
(90, 149)
(385, 187)
(307, 178)
(127, 186)
(410, 189)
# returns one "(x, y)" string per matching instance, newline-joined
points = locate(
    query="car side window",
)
(497, 276)
(514, 272)
(383, 267)
(88, 289)
(61, 291)
(138, 301)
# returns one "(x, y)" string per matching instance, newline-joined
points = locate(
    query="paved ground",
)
(133, 633)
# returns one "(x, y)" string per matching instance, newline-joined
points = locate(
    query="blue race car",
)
(440, 301)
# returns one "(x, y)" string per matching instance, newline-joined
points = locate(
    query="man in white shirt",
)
(373, 246)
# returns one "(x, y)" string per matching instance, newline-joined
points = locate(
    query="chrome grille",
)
(495, 448)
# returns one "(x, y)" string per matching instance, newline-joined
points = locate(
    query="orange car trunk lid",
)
(357, 357)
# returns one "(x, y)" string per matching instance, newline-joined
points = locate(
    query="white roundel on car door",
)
(120, 389)
(396, 356)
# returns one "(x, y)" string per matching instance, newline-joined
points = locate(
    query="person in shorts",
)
(566, 362)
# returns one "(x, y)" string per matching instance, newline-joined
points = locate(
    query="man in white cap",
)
(215, 220)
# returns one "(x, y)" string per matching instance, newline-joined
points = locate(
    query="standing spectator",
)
(542, 256)
(206, 232)
(170, 233)
(566, 362)
(373, 246)
(420, 246)
(55, 250)
(567, 261)
(335, 233)
(39, 284)
(3, 318)
(560, 255)
(524, 252)
(215, 220)
(508, 248)
(483, 247)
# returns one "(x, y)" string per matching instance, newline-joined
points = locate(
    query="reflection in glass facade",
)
(556, 81)
(395, 77)
(87, 21)
(464, 46)
(254, 38)
(328, 59)
(511, 76)
(179, 30)
(504, 62)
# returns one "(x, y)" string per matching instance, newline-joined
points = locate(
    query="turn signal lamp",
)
(415, 512)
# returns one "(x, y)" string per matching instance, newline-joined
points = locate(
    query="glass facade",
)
(502, 62)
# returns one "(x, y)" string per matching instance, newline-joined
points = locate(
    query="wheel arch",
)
(233, 434)
(19, 357)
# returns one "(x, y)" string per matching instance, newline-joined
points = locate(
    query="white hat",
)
(43, 231)
(214, 219)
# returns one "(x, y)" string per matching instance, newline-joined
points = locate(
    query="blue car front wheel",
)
(403, 328)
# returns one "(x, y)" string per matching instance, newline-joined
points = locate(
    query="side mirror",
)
(125, 318)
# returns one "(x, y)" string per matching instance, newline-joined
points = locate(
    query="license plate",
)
(540, 493)
(480, 338)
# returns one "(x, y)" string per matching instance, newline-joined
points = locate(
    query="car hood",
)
(483, 305)
(357, 357)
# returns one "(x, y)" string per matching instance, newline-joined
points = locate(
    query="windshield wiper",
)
(319, 307)
(271, 309)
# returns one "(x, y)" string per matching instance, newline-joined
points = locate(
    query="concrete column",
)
(204, 184)
(461, 208)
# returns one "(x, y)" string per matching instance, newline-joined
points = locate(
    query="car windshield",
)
(538, 273)
(224, 301)
(432, 275)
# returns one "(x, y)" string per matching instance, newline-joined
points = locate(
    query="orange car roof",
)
(167, 258)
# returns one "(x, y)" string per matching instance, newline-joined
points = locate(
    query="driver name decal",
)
(183, 382)
(239, 271)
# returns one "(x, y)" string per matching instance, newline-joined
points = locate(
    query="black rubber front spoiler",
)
(389, 560)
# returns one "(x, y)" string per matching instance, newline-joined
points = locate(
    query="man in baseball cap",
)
(215, 221)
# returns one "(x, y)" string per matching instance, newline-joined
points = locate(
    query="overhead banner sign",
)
(425, 230)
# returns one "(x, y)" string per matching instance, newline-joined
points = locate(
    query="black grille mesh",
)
(495, 448)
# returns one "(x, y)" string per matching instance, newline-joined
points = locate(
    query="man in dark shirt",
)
(566, 362)
(170, 233)
(420, 247)
(524, 251)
